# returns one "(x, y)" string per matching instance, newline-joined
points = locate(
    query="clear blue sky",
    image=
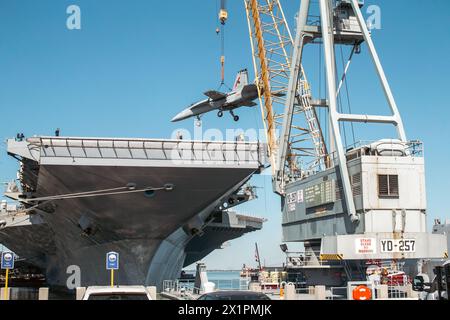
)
(136, 63)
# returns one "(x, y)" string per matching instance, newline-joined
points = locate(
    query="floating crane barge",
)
(348, 205)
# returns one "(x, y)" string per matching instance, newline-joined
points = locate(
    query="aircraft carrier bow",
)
(147, 199)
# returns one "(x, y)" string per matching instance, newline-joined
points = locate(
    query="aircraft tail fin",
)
(241, 79)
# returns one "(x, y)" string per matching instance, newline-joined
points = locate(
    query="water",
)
(224, 275)
(225, 280)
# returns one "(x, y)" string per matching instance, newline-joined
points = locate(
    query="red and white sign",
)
(365, 246)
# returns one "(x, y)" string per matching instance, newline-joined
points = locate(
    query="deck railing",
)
(180, 151)
(412, 148)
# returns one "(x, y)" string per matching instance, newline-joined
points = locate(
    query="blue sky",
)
(134, 64)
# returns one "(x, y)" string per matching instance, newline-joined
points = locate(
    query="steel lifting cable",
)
(323, 118)
(222, 59)
(222, 54)
(223, 16)
(339, 103)
(342, 124)
(81, 193)
(325, 87)
(96, 193)
(344, 80)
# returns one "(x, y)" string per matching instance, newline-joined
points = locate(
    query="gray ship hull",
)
(86, 221)
(180, 249)
(34, 241)
(228, 227)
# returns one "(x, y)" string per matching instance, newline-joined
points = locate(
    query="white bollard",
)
(152, 291)
(320, 292)
(2, 294)
(290, 293)
(310, 289)
(43, 294)
(382, 291)
(80, 293)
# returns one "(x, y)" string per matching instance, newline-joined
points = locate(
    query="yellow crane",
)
(272, 46)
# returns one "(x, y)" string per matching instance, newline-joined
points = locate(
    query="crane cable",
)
(223, 16)
(222, 55)
(354, 50)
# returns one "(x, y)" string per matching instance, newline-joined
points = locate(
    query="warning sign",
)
(300, 196)
(365, 246)
(291, 199)
(291, 207)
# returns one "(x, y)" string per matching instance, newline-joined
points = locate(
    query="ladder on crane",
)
(272, 47)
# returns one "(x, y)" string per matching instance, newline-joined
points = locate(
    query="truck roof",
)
(115, 289)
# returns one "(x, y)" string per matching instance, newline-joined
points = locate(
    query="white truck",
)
(116, 293)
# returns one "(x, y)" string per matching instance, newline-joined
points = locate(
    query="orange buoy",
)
(362, 293)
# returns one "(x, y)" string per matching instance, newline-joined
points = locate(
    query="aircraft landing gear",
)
(220, 114)
(235, 117)
(198, 122)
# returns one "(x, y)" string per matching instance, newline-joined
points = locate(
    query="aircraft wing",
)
(249, 104)
(215, 95)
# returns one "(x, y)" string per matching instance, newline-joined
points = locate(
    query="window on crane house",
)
(388, 186)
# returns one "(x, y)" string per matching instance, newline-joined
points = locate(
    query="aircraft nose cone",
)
(182, 115)
(176, 118)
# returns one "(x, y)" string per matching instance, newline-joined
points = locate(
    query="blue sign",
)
(112, 261)
(7, 260)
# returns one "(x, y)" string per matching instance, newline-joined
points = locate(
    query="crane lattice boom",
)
(272, 47)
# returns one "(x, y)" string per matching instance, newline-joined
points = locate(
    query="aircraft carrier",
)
(162, 204)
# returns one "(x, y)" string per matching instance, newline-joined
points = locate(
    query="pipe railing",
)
(150, 149)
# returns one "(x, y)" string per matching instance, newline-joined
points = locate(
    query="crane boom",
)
(292, 129)
(262, 75)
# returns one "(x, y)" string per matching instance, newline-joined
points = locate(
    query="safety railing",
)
(230, 284)
(392, 290)
(304, 258)
(169, 286)
(398, 290)
(183, 287)
(337, 293)
(305, 291)
(412, 148)
(396, 266)
(181, 151)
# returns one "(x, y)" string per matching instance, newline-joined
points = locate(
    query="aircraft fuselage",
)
(233, 100)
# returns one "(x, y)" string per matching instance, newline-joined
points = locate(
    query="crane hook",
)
(223, 16)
